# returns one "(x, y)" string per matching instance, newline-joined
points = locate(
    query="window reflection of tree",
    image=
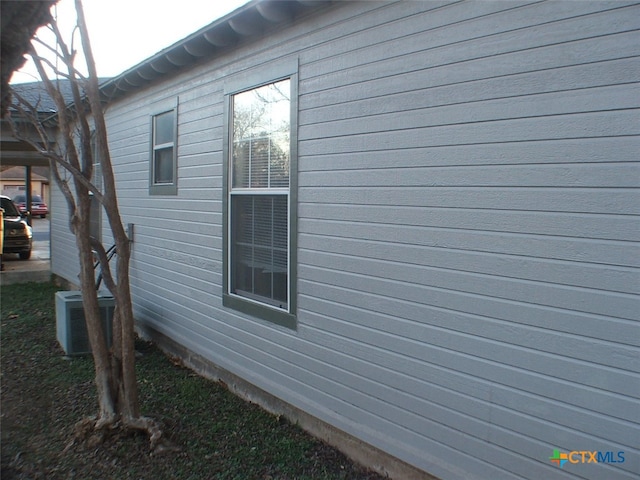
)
(261, 137)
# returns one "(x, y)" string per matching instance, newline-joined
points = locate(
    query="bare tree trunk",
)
(114, 367)
(104, 379)
(126, 335)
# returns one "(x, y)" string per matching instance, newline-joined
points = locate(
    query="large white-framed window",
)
(260, 212)
(163, 170)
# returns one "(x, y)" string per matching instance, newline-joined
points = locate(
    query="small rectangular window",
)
(163, 159)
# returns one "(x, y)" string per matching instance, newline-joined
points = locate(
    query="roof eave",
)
(248, 20)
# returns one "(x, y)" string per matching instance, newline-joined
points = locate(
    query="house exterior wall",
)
(467, 231)
(62, 244)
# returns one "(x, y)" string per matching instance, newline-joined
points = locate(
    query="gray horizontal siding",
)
(467, 233)
(62, 241)
(468, 216)
(567, 248)
(585, 125)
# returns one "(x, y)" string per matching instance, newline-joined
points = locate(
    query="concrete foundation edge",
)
(13, 278)
(357, 450)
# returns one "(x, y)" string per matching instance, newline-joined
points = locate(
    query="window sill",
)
(264, 312)
(168, 189)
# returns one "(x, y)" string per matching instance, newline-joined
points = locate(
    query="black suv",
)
(17, 234)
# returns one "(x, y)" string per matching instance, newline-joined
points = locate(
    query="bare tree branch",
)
(45, 147)
(68, 57)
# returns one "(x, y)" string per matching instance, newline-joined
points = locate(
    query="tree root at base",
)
(94, 431)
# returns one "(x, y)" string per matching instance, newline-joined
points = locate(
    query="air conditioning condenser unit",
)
(70, 321)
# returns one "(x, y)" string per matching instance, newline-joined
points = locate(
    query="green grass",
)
(220, 436)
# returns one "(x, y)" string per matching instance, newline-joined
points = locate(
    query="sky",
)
(123, 33)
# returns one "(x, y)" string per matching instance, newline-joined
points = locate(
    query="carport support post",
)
(27, 191)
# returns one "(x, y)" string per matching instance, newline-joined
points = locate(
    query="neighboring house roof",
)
(36, 94)
(19, 22)
(249, 20)
(17, 173)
